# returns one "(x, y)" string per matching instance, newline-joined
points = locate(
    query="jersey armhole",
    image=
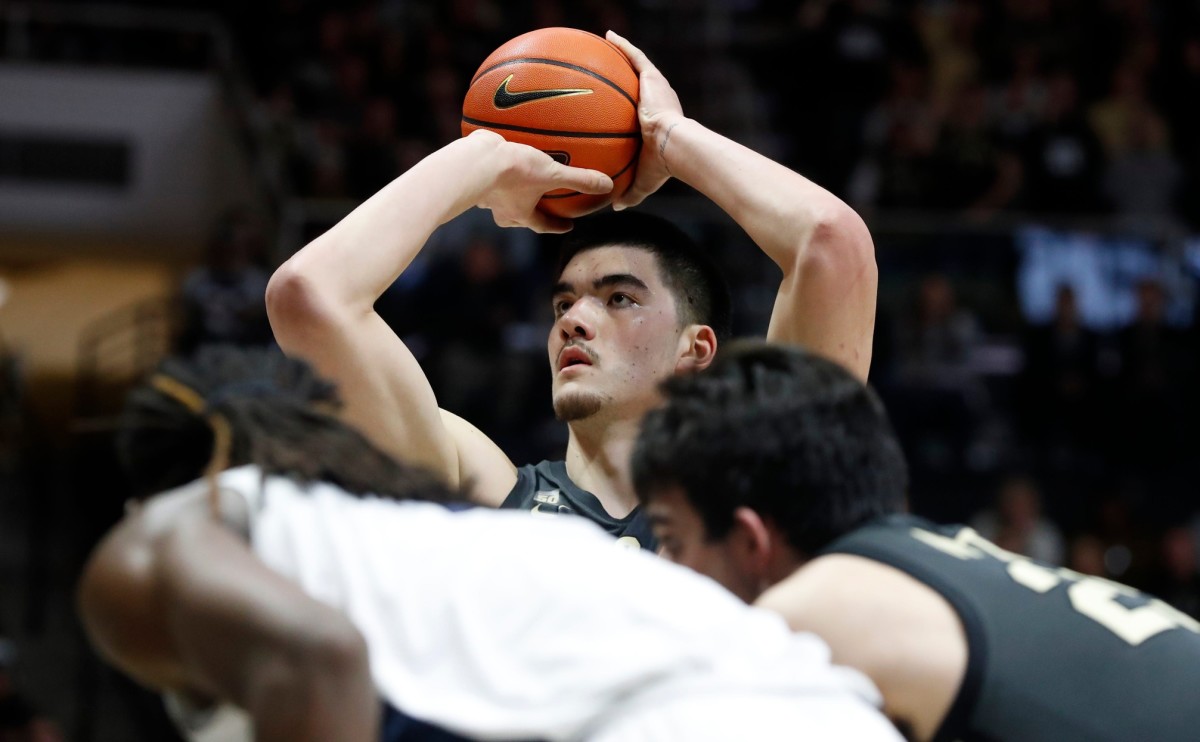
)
(955, 724)
(514, 497)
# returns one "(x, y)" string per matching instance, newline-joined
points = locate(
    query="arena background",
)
(1030, 170)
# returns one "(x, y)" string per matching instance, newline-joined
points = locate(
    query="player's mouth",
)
(574, 356)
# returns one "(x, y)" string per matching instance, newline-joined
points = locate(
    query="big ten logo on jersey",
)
(1130, 614)
(550, 502)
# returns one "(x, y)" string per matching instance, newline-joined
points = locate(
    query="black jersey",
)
(1054, 656)
(546, 489)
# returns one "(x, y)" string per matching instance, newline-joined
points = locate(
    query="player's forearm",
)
(785, 214)
(353, 263)
(297, 699)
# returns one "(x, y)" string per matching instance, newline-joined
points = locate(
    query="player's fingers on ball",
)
(583, 180)
(544, 223)
(640, 61)
(631, 197)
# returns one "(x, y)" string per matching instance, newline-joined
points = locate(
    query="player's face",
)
(615, 335)
(683, 539)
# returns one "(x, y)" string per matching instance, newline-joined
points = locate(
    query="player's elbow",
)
(115, 603)
(295, 304)
(839, 247)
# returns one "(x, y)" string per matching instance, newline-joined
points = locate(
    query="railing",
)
(116, 351)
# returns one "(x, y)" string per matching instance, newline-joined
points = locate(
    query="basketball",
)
(569, 93)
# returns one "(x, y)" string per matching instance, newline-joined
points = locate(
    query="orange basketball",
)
(569, 93)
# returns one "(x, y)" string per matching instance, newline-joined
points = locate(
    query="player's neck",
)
(598, 461)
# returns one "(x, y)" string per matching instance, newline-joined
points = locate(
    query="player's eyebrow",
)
(612, 279)
(620, 279)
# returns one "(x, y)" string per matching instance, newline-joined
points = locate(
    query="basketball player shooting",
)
(632, 306)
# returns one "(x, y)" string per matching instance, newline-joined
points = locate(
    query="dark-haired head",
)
(789, 435)
(253, 406)
(701, 293)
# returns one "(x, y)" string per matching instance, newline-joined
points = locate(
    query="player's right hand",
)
(522, 175)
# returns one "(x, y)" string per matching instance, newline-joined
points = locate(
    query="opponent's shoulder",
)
(883, 622)
(865, 608)
(833, 586)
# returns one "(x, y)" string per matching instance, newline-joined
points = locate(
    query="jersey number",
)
(1093, 597)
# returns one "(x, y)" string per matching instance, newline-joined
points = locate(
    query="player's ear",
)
(754, 538)
(698, 348)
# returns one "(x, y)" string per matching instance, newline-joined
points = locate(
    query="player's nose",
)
(577, 322)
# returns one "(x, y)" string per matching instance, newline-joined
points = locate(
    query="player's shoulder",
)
(832, 584)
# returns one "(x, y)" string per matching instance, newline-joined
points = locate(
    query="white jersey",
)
(495, 625)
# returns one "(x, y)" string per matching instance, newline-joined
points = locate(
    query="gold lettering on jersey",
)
(1094, 597)
(629, 542)
(549, 497)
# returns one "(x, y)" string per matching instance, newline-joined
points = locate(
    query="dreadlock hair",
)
(784, 432)
(230, 406)
(700, 291)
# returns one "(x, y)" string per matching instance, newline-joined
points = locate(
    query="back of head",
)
(701, 293)
(253, 406)
(786, 433)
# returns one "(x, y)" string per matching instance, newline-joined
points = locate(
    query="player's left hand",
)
(658, 111)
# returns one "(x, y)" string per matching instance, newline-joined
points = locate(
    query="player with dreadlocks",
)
(306, 582)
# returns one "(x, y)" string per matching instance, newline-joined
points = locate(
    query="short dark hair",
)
(701, 293)
(280, 415)
(777, 429)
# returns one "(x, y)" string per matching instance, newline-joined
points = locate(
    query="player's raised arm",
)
(827, 298)
(321, 301)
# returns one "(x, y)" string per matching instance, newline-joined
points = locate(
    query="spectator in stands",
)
(1185, 121)
(953, 36)
(1062, 157)
(1157, 364)
(1177, 579)
(935, 397)
(373, 153)
(935, 341)
(1016, 523)
(1060, 377)
(1086, 555)
(223, 299)
(973, 173)
(474, 369)
(898, 138)
(1142, 179)
(1019, 99)
(1126, 106)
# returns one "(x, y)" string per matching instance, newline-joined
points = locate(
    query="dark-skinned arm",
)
(185, 606)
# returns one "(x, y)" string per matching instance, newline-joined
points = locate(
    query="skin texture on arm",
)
(181, 604)
(826, 300)
(899, 632)
(321, 301)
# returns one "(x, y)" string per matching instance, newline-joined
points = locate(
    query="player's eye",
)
(561, 307)
(620, 300)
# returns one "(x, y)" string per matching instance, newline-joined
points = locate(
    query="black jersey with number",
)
(1054, 656)
(546, 489)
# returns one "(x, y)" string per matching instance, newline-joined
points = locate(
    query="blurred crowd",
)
(1059, 107)
(974, 106)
